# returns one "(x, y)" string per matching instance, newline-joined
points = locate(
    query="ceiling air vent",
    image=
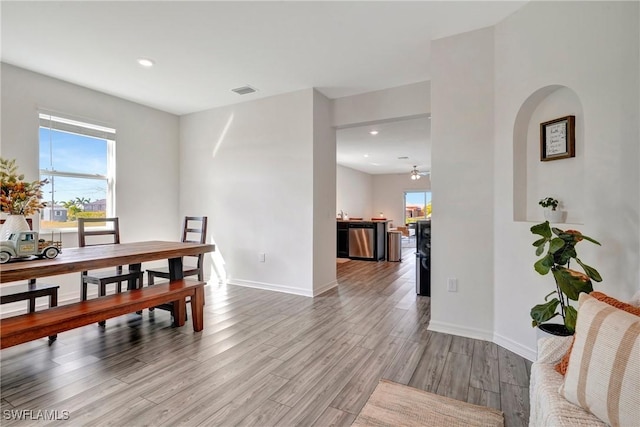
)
(243, 90)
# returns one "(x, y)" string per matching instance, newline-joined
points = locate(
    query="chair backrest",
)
(194, 229)
(83, 233)
(404, 230)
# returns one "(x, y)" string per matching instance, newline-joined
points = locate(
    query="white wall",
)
(461, 181)
(250, 167)
(354, 192)
(597, 57)
(388, 194)
(324, 195)
(387, 104)
(534, 179)
(146, 152)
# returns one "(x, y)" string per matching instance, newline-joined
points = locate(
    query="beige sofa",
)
(548, 407)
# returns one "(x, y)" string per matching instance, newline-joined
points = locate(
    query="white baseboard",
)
(271, 287)
(519, 349)
(463, 331)
(485, 335)
(324, 288)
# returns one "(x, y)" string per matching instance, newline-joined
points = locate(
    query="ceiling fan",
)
(416, 174)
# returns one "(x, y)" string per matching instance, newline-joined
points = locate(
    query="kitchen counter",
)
(364, 220)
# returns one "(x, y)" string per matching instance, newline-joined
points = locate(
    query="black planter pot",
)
(555, 329)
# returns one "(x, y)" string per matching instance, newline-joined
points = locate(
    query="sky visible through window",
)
(420, 198)
(69, 152)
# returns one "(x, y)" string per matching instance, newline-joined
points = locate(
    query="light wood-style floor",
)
(263, 359)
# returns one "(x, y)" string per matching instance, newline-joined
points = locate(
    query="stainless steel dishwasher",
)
(361, 240)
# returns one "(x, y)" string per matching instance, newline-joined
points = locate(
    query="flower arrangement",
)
(19, 197)
(549, 202)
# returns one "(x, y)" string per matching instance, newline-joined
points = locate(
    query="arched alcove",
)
(533, 179)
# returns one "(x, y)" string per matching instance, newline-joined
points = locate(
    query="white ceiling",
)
(379, 154)
(203, 49)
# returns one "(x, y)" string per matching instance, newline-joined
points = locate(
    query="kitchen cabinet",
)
(343, 239)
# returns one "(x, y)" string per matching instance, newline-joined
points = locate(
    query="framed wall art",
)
(558, 139)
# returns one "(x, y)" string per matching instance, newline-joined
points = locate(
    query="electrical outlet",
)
(261, 257)
(452, 284)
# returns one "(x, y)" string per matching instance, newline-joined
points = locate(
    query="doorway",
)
(417, 206)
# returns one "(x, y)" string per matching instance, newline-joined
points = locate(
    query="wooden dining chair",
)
(87, 237)
(194, 230)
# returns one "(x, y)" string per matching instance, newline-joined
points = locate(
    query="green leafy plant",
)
(549, 202)
(561, 249)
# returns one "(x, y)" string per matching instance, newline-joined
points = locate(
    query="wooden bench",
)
(31, 326)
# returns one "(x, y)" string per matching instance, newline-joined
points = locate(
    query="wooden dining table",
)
(26, 327)
(76, 260)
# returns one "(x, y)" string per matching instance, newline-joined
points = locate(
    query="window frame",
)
(427, 195)
(58, 122)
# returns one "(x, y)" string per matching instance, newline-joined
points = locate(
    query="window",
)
(417, 205)
(78, 160)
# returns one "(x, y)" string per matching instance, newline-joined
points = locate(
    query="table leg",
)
(32, 301)
(176, 273)
(131, 283)
(175, 269)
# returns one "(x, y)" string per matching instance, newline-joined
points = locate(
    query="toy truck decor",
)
(26, 244)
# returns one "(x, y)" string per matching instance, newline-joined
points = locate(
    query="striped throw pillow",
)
(603, 376)
(561, 366)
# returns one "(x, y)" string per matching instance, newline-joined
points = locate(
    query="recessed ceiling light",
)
(366, 155)
(146, 62)
(374, 132)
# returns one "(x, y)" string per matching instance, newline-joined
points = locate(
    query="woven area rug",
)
(393, 404)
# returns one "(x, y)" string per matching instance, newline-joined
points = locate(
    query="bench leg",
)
(53, 302)
(197, 311)
(101, 293)
(179, 312)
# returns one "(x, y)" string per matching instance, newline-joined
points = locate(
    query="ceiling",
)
(203, 49)
(384, 152)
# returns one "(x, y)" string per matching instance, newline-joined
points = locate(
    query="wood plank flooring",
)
(263, 359)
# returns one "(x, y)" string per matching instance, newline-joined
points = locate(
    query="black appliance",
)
(423, 257)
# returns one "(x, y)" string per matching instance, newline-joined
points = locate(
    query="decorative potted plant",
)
(18, 198)
(552, 213)
(561, 249)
